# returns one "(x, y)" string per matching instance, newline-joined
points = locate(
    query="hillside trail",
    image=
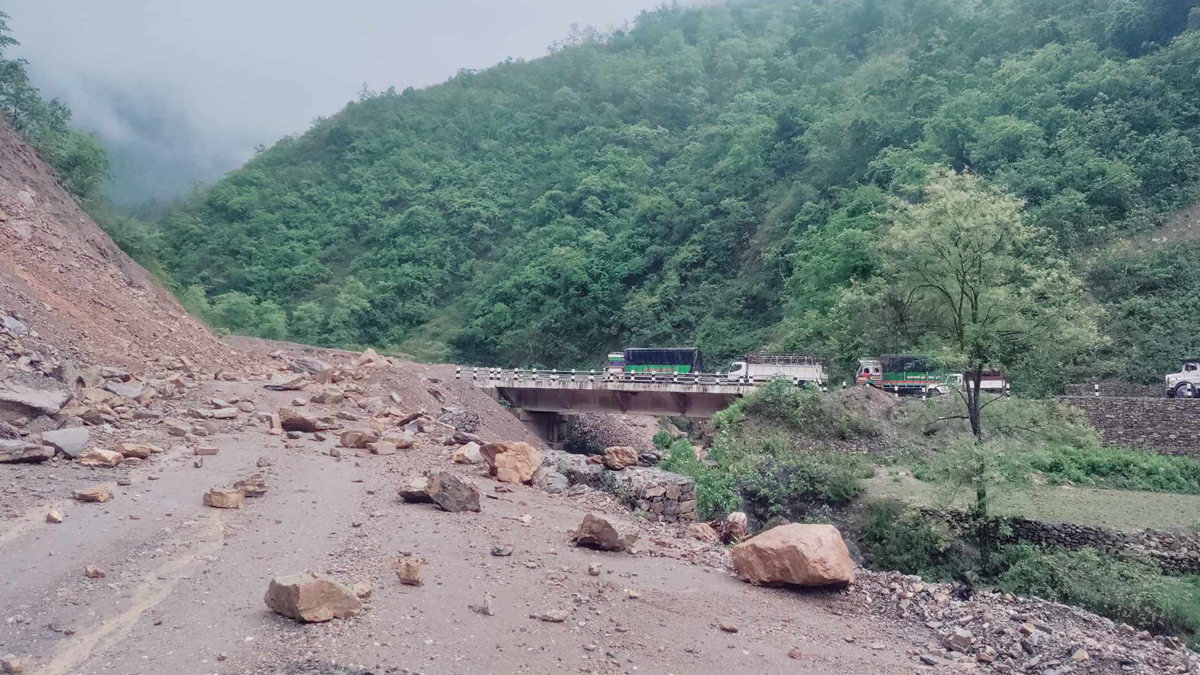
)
(183, 586)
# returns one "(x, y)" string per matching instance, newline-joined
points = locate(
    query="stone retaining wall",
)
(1173, 551)
(1166, 425)
(664, 495)
(1117, 389)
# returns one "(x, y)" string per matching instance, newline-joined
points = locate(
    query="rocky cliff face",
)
(65, 282)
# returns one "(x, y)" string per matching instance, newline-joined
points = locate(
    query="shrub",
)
(1118, 468)
(1121, 590)
(781, 404)
(662, 440)
(899, 538)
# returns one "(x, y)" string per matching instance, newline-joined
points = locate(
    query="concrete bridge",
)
(539, 397)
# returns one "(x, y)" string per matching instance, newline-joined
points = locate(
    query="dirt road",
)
(183, 584)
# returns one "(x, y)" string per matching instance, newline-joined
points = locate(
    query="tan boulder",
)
(100, 457)
(176, 427)
(139, 450)
(598, 533)
(382, 448)
(797, 554)
(96, 493)
(702, 532)
(311, 597)
(291, 419)
(253, 486)
(511, 462)
(223, 498)
(416, 490)
(468, 454)
(358, 438)
(620, 457)
(409, 572)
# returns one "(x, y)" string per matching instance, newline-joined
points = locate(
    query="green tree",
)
(967, 277)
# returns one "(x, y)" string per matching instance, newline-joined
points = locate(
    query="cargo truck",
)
(908, 374)
(792, 366)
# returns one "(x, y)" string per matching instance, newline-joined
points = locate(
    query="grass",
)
(1117, 468)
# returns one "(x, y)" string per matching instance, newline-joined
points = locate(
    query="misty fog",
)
(181, 92)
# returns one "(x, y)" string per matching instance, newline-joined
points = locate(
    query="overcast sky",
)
(241, 72)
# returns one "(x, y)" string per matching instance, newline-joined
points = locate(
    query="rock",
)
(358, 438)
(54, 516)
(299, 402)
(311, 598)
(295, 420)
(223, 413)
(728, 628)
(125, 390)
(485, 608)
(17, 400)
(596, 532)
(453, 493)
(702, 532)
(294, 382)
(224, 498)
(114, 373)
(93, 572)
(959, 640)
(206, 451)
(96, 493)
(382, 448)
(176, 427)
(512, 462)
(307, 364)
(735, 527)
(1080, 655)
(139, 450)
(253, 486)
(801, 555)
(328, 394)
(263, 463)
(409, 571)
(362, 591)
(70, 442)
(795, 653)
(12, 452)
(551, 616)
(468, 454)
(549, 479)
(416, 491)
(246, 406)
(502, 551)
(100, 457)
(594, 569)
(620, 457)
(11, 663)
(12, 325)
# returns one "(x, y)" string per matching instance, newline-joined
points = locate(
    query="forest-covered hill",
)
(714, 176)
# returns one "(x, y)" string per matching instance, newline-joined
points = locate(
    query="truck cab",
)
(1185, 383)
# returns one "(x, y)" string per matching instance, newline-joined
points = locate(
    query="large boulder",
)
(358, 438)
(511, 462)
(311, 597)
(620, 457)
(598, 533)
(799, 555)
(291, 419)
(453, 493)
(70, 442)
(468, 454)
(12, 452)
(287, 382)
(17, 400)
(416, 490)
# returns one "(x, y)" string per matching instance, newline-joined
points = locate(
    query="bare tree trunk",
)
(974, 382)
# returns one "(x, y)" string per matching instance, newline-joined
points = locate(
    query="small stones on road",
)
(93, 572)
(551, 616)
(728, 628)
(206, 451)
(409, 571)
(486, 608)
(795, 654)
(54, 516)
(502, 551)
(11, 663)
(594, 569)
(100, 457)
(254, 486)
(311, 598)
(598, 533)
(362, 590)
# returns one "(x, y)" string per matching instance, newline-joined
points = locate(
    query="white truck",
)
(796, 367)
(1185, 383)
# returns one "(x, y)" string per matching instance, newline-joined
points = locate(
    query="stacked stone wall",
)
(1172, 551)
(661, 494)
(1166, 425)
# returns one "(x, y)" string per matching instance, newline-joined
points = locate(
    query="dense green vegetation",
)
(714, 175)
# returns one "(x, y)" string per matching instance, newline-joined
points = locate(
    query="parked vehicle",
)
(908, 374)
(1185, 383)
(793, 366)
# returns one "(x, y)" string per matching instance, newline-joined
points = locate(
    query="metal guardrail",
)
(536, 375)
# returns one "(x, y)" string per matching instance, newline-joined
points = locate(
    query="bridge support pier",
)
(551, 427)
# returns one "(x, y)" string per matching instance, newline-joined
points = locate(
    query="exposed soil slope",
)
(66, 279)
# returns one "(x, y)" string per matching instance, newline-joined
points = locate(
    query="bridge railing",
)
(534, 375)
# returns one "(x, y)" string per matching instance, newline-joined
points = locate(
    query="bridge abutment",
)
(551, 427)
